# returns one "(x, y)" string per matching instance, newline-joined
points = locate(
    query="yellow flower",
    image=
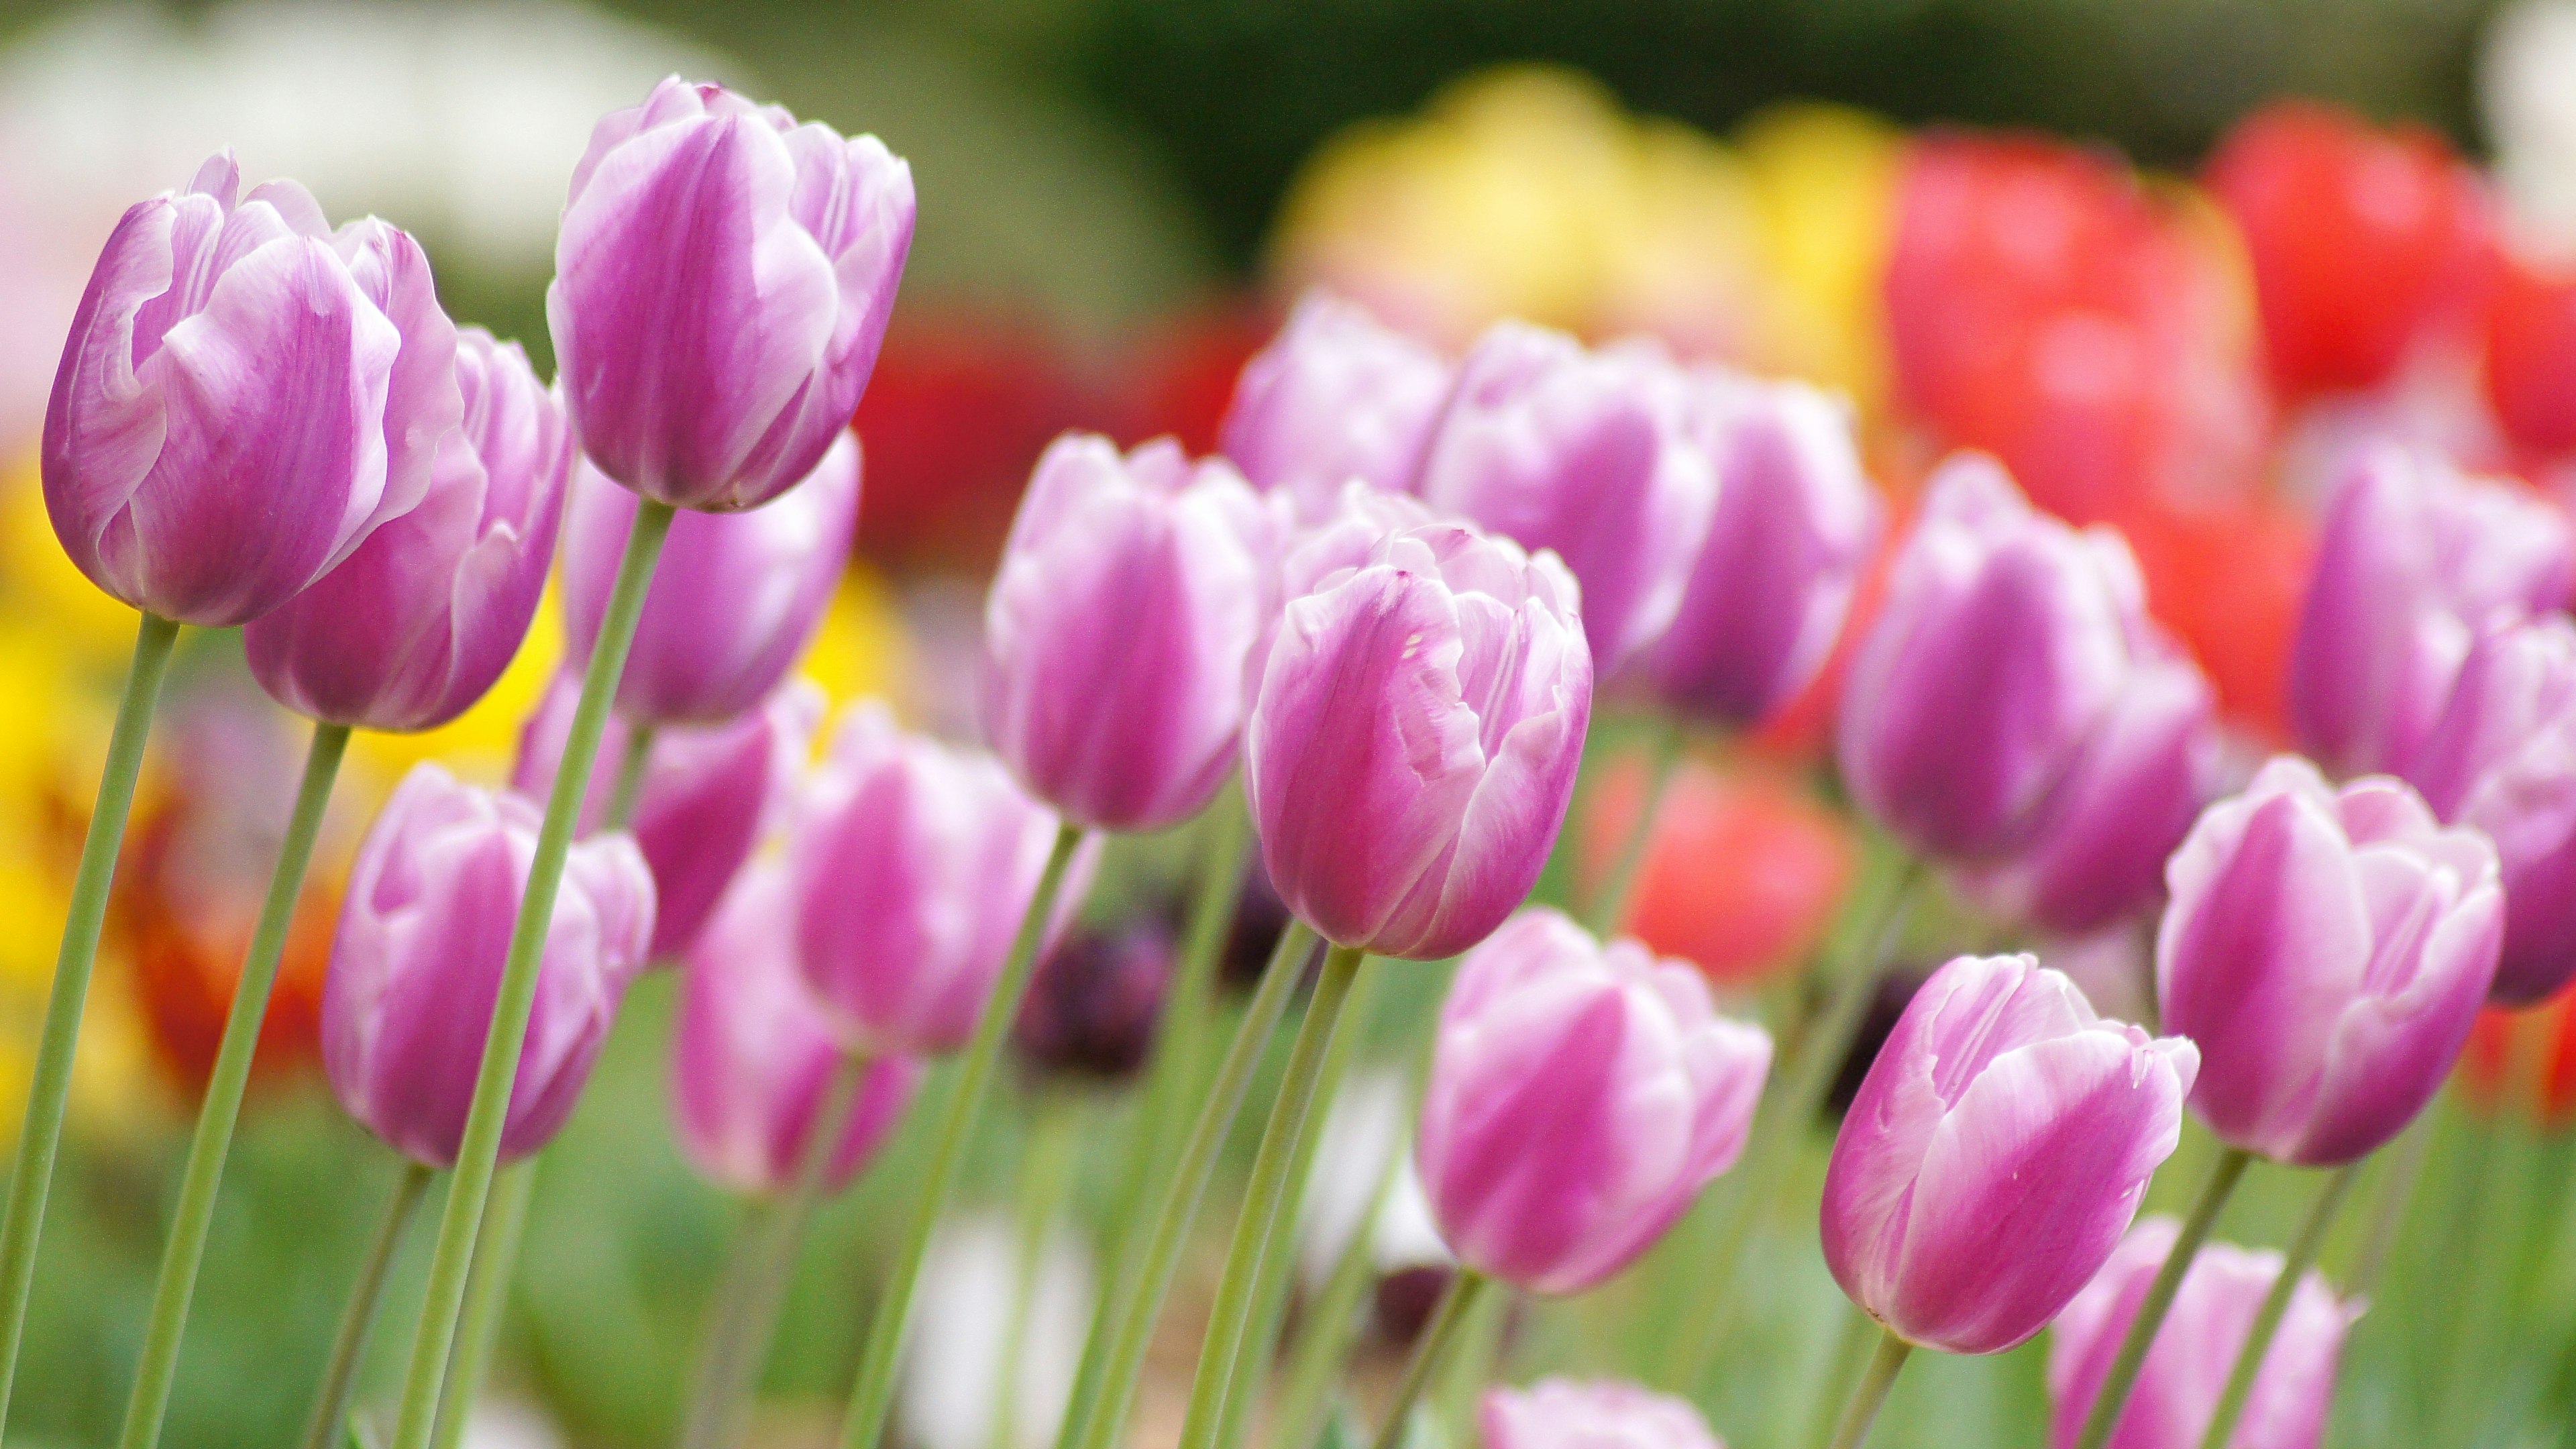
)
(1824, 178)
(861, 649)
(40, 585)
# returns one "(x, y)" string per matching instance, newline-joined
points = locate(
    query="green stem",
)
(2388, 1209)
(1446, 1319)
(1851, 1350)
(1231, 1315)
(1046, 1177)
(2113, 1396)
(2267, 1319)
(633, 764)
(1472, 1363)
(755, 1283)
(873, 1393)
(349, 1345)
(204, 1175)
(1178, 1204)
(41, 1130)
(487, 1294)
(1871, 1394)
(1610, 902)
(1332, 1325)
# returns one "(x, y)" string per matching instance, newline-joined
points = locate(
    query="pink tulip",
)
(1602, 1414)
(1334, 397)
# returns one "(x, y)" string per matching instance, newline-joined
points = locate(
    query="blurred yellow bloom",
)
(1824, 178)
(861, 649)
(41, 588)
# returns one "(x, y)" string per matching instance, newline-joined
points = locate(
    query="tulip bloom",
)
(424, 932)
(245, 396)
(414, 627)
(2328, 950)
(1335, 396)
(710, 795)
(1995, 1154)
(1130, 595)
(1767, 595)
(1604, 1414)
(912, 864)
(2006, 638)
(734, 599)
(2196, 1348)
(722, 282)
(751, 1062)
(2414, 560)
(1580, 1096)
(1414, 739)
(1602, 456)
(2501, 757)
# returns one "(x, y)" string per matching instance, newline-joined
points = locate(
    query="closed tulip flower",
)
(2196, 1348)
(1335, 396)
(1604, 456)
(2501, 757)
(1602, 1414)
(711, 793)
(424, 930)
(912, 864)
(1361, 517)
(1414, 740)
(414, 627)
(751, 1061)
(1767, 595)
(1995, 1154)
(1131, 593)
(734, 600)
(245, 396)
(722, 282)
(2005, 638)
(2328, 950)
(2415, 558)
(1580, 1096)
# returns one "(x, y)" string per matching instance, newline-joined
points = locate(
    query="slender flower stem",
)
(1471, 1363)
(487, 1293)
(1046, 1176)
(1231, 1315)
(1871, 1394)
(745, 1308)
(1171, 1074)
(1446, 1319)
(349, 1345)
(2113, 1396)
(1332, 1325)
(1851, 1350)
(1178, 1205)
(203, 1178)
(1610, 901)
(2388, 1207)
(633, 764)
(41, 1130)
(873, 1393)
(2267, 1319)
(479, 1152)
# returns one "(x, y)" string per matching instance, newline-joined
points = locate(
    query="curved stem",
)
(633, 764)
(2388, 1208)
(203, 1177)
(1231, 1315)
(479, 1152)
(1178, 1205)
(2267, 1319)
(2113, 1396)
(40, 1132)
(1851, 1350)
(1046, 1176)
(349, 1345)
(873, 1393)
(487, 1293)
(1333, 1324)
(1446, 1320)
(1871, 1394)
(1610, 902)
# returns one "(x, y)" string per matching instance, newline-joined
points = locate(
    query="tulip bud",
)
(244, 397)
(1995, 1154)
(710, 796)
(734, 598)
(1580, 1096)
(722, 282)
(2005, 637)
(1335, 396)
(2414, 559)
(2196, 1348)
(1343, 538)
(1130, 595)
(411, 629)
(751, 1062)
(1414, 740)
(2328, 950)
(1603, 1414)
(912, 864)
(424, 934)
(1094, 1001)
(1602, 456)
(2501, 758)
(1766, 597)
